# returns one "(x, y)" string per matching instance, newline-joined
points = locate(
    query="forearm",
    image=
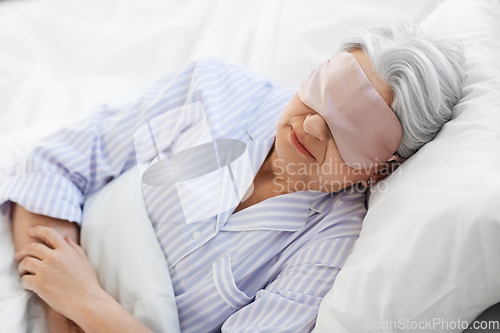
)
(22, 220)
(104, 314)
(56, 322)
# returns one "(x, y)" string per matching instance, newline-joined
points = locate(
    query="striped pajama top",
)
(265, 268)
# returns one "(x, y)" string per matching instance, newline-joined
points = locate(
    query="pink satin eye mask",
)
(365, 129)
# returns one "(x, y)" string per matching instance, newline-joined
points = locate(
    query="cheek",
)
(282, 147)
(332, 164)
(286, 115)
(334, 168)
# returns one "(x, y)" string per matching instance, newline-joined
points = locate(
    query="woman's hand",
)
(58, 271)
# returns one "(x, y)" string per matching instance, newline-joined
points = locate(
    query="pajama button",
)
(196, 235)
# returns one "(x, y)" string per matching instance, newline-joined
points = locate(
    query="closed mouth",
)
(298, 144)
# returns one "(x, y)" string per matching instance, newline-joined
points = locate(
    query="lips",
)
(298, 143)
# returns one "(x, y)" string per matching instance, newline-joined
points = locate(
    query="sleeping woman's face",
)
(306, 148)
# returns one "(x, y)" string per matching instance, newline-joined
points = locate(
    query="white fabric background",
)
(59, 58)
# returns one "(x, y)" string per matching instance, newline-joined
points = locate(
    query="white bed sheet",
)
(59, 59)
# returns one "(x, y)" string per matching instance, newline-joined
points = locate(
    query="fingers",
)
(28, 265)
(28, 282)
(75, 246)
(36, 250)
(49, 235)
(73, 327)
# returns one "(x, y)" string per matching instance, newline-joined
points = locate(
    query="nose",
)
(315, 125)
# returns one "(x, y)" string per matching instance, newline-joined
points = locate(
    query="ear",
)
(383, 170)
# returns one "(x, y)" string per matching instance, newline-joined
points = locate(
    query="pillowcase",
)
(428, 256)
(121, 244)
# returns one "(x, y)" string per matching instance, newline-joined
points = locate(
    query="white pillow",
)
(120, 242)
(428, 255)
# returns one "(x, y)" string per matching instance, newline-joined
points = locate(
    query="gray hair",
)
(425, 74)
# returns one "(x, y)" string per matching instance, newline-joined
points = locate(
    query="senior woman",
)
(384, 95)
